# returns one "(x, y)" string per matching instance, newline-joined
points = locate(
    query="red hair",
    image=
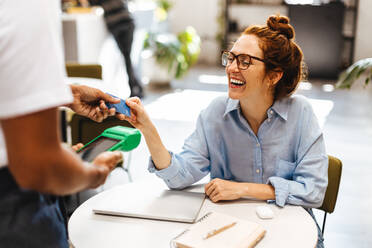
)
(281, 53)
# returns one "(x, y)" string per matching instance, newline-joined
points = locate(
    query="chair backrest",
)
(334, 177)
(84, 129)
(86, 70)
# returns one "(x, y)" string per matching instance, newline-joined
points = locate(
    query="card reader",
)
(116, 138)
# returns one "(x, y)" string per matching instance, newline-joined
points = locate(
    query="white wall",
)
(202, 15)
(246, 15)
(363, 37)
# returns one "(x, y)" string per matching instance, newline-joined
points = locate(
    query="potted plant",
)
(167, 56)
(353, 72)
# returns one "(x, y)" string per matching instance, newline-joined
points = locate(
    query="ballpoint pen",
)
(219, 230)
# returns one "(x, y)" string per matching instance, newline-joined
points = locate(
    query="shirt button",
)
(271, 112)
(257, 171)
(258, 144)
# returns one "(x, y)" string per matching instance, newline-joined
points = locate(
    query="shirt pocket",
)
(285, 169)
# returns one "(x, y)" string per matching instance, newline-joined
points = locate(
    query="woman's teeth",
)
(236, 82)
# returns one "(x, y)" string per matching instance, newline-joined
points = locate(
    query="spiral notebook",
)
(219, 230)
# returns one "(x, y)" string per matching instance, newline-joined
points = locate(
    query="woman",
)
(259, 141)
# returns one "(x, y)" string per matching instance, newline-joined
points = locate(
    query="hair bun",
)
(281, 25)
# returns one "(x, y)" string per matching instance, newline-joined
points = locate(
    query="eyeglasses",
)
(243, 60)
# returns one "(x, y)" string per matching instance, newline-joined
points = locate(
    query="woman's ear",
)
(275, 76)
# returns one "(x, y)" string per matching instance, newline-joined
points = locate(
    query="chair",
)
(86, 70)
(334, 178)
(77, 70)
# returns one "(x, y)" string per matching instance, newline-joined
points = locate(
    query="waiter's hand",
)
(106, 161)
(90, 102)
(77, 147)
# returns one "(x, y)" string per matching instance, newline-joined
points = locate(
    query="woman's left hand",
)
(219, 189)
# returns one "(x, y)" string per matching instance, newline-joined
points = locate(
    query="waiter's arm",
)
(38, 161)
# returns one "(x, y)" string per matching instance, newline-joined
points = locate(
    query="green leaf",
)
(348, 77)
(176, 53)
(367, 81)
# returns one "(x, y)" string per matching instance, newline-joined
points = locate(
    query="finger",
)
(116, 158)
(137, 100)
(77, 147)
(210, 189)
(216, 198)
(107, 98)
(214, 194)
(105, 113)
(112, 111)
(208, 185)
(133, 105)
(126, 118)
(134, 99)
(92, 114)
(121, 117)
(98, 116)
(102, 105)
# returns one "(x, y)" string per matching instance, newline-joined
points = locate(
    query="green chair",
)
(334, 178)
(84, 70)
(77, 70)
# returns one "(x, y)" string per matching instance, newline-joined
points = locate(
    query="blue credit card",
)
(120, 107)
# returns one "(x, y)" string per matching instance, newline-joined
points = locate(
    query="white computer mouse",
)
(264, 212)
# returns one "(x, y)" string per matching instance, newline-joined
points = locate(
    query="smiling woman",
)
(259, 141)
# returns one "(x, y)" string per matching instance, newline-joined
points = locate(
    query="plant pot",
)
(156, 75)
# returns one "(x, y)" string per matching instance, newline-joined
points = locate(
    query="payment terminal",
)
(116, 138)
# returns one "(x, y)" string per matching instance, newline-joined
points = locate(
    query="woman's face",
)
(250, 82)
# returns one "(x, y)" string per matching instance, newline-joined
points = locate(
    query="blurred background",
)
(175, 55)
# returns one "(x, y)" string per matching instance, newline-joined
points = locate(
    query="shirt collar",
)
(231, 106)
(280, 107)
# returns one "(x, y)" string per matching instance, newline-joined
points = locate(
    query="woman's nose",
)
(233, 67)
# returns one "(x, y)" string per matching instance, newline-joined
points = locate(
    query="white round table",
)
(291, 226)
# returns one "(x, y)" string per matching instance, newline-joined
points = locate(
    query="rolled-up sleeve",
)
(309, 181)
(188, 166)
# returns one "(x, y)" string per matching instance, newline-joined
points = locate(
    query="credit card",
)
(120, 107)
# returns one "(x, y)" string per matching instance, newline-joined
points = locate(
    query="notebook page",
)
(242, 234)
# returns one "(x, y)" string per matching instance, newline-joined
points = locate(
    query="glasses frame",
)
(238, 61)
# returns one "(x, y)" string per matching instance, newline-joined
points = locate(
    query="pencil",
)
(217, 231)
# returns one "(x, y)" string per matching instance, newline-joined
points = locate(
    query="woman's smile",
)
(236, 83)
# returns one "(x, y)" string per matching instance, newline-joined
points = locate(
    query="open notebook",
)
(151, 203)
(219, 230)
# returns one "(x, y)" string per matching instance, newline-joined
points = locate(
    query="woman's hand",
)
(139, 118)
(218, 190)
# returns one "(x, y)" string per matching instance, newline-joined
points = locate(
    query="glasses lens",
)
(224, 59)
(244, 61)
(227, 58)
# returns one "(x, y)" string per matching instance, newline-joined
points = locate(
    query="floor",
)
(346, 118)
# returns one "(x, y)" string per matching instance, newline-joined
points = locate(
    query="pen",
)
(219, 230)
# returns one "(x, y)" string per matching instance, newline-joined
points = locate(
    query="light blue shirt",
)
(288, 151)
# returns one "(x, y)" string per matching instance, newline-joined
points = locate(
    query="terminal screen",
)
(90, 152)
